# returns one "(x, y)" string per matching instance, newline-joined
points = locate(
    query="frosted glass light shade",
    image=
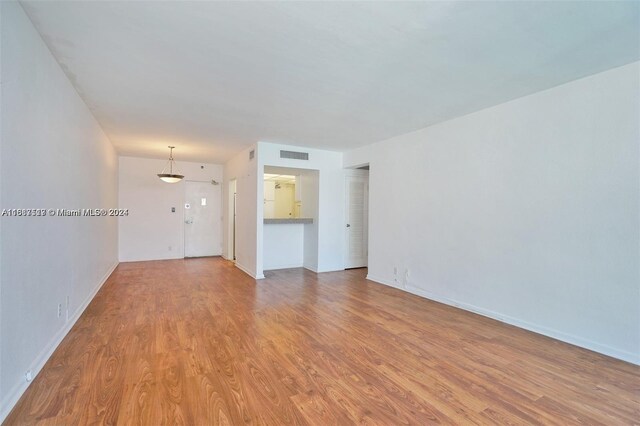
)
(170, 178)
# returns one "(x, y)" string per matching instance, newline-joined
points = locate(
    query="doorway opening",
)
(290, 218)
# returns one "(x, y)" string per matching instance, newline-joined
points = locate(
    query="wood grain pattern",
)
(197, 342)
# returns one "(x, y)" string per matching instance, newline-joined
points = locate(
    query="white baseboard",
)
(13, 395)
(147, 259)
(310, 268)
(296, 266)
(536, 328)
(322, 271)
(285, 266)
(249, 271)
(384, 281)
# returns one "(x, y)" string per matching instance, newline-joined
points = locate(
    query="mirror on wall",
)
(281, 196)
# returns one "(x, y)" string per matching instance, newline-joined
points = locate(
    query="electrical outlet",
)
(395, 274)
(28, 376)
(67, 311)
(59, 310)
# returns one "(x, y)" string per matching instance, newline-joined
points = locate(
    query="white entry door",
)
(202, 220)
(357, 215)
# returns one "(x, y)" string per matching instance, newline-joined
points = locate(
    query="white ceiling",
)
(212, 77)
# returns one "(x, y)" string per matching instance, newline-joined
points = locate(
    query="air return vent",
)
(294, 155)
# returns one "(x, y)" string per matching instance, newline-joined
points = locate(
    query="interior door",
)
(357, 224)
(202, 220)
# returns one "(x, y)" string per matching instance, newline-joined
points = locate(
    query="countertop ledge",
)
(289, 220)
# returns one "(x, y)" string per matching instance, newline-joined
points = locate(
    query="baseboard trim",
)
(384, 281)
(322, 271)
(310, 268)
(545, 331)
(303, 267)
(287, 266)
(14, 394)
(248, 271)
(149, 259)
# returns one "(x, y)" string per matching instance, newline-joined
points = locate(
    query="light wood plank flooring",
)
(197, 342)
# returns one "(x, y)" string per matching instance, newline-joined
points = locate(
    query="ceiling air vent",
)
(294, 155)
(252, 154)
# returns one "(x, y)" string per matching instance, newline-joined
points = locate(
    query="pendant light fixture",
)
(170, 177)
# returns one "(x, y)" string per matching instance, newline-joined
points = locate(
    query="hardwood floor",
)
(198, 342)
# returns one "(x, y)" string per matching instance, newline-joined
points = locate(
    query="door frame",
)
(218, 220)
(350, 173)
(232, 190)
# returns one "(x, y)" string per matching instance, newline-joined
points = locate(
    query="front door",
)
(202, 220)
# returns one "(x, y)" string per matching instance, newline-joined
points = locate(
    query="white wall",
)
(152, 231)
(54, 155)
(283, 245)
(248, 181)
(309, 196)
(2, 408)
(527, 212)
(330, 213)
